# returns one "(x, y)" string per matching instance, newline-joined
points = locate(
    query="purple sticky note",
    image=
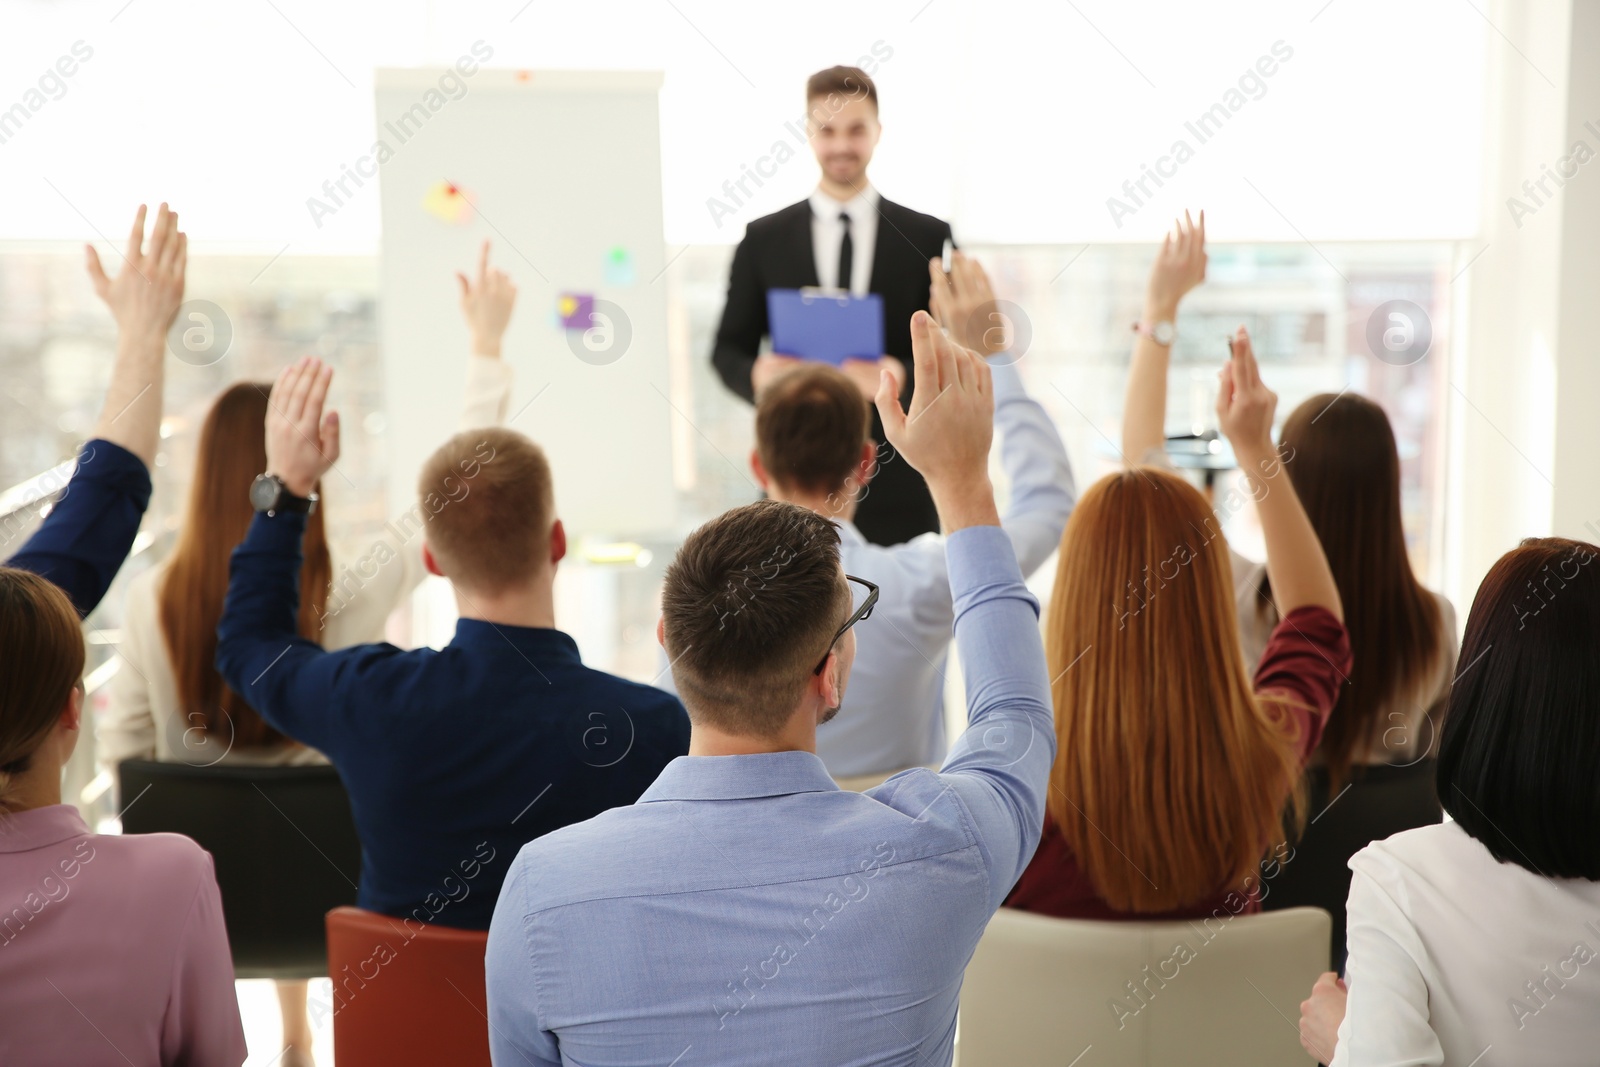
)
(575, 310)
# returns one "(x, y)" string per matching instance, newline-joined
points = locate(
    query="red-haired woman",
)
(1340, 455)
(1174, 756)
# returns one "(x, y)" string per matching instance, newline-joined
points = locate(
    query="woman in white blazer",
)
(167, 702)
(1477, 941)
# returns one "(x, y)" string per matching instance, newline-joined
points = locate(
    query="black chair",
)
(1378, 802)
(284, 846)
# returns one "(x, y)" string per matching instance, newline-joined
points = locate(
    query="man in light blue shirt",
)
(746, 910)
(894, 716)
(812, 449)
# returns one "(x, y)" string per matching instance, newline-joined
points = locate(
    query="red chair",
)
(406, 992)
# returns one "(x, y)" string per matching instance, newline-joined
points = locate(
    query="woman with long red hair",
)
(1174, 761)
(168, 702)
(1340, 453)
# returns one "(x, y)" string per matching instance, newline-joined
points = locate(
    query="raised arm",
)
(1296, 564)
(999, 767)
(144, 299)
(1032, 455)
(90, 531)
(487, 301)
(1179, 267)
(292, 681)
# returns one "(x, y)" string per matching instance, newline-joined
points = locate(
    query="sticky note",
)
(618, 266)
(575, 310)
(448, 202)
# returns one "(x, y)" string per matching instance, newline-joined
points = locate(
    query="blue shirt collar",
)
(543, 642)
(762, 774)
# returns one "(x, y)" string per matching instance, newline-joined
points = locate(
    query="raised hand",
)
(1296, 564)
(1179, 267)
(964, 304)
(1245, 405)
(144, 298)
(947, 433)
(145, 295)
(486, 304)
(302, 441)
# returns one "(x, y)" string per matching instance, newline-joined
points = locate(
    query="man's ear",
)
(558, 542)
(828, 689)
(762, 478)
(661, 631)
(868, 464)
(429, 563)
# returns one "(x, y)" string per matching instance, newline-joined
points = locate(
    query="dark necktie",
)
(846, 253)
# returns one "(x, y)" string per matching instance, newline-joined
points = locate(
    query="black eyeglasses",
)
(863, 612)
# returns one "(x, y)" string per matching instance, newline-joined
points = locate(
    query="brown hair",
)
(810, 425)
(1171, 773)
(1345, 468)
(848, 82)
(232, 450)
(750, 603)
(488, 503)
(43, 654)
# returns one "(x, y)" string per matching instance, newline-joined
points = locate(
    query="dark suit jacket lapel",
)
(891, 248)
(799, 242)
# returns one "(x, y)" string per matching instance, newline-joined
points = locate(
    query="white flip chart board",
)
(561, 171)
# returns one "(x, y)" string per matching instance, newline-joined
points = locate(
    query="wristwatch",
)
(1162, 333)
(269, 494)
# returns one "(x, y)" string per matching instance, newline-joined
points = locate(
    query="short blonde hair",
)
(488, 504)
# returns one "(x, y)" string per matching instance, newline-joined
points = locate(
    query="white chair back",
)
(1046, 992)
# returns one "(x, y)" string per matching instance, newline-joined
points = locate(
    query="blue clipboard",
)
(826, 325)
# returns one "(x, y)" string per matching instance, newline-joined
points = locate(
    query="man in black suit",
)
(843, 236)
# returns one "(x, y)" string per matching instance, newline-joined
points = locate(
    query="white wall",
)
(1576, 497)
(1523, 435)
(1017, 119)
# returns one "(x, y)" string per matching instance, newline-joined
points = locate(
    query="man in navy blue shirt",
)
(83, 541)
(453, 758)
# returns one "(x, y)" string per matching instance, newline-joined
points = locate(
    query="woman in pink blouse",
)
(112, 949)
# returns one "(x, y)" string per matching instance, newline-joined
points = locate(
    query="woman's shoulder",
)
(158, 863)
(1447, 618)
(141, 619)
(1425, 860)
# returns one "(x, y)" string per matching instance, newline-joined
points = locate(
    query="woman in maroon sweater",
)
(1172, 765)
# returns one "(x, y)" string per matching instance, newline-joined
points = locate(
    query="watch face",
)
(1164, 332)
(264, 492)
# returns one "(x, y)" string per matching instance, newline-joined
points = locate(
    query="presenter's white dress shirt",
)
(827, 233)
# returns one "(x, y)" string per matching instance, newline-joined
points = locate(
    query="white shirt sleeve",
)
(488, 393)
(1386, 1019)
(127, 730)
